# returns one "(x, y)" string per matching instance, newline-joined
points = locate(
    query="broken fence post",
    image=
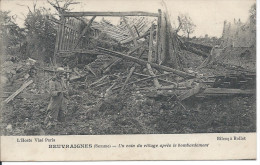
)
(6, 101)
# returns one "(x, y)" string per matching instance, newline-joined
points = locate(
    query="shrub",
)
(40, 35)
(11, 34)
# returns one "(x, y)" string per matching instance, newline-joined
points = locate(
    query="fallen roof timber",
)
(109, 14)
(142, 62)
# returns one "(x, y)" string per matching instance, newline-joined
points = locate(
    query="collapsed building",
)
(146, 39)
(139, 60)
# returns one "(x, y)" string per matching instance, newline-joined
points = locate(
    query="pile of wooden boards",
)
(151, 41)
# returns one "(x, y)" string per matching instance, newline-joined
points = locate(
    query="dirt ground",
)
(132, 112)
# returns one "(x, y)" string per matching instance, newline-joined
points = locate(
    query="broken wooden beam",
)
(136, 45)
(107, 69)
(74, 78)
(162, 43)
(158, 34)
(225, 92)
(143, 62)
(91, 70)
(84, 31)
(50, 70)
(26, 84)
(170, 82)
(68, 53)
(99, 80)
(117, 60)
(127, 79)
(190, 92)
(150, 53)
(136, 30)
(144, 79)
(109, 14)
(130, 31)
(194, 50)
(21, 95)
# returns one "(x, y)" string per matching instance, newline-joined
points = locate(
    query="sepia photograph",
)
(74, 67)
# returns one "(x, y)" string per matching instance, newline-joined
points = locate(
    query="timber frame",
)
(69, 34)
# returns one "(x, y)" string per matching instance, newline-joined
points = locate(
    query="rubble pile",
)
(141, 79)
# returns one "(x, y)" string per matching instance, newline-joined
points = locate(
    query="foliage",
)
(186, 24)
(10, 33)
(252, 13)
(41, 34)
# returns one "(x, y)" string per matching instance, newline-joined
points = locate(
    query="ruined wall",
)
(238, 34)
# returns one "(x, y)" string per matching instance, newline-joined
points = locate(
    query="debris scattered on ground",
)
(133, 78)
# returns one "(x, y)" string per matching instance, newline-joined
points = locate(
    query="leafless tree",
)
(186, 24)
(62, 5)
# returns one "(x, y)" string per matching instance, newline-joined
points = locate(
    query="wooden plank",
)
(107, 42)
(136, 45)
(66, 25)
(142, 62)
(109, 14)
(135, 49)
(68, 53)
(150, 52)
(57, 44)
(131, 32)
(170, 82)
(50, 70)
(65, 38)
(74, 78)
(114, 35)
(195, 51)
(107, 69)
(137, 32)
(84, 31)
(90, 69)
(21, 95)
(127, 78)
(62, 33)
(227, 91)
(117, 60)
(26, 84)
(163, 39)
(190, 93)
(68, 43)
(70, 37)
(158, 35)
(110, 28)
(140, 80)
(73, 33)
(99, 80)
(172, 53)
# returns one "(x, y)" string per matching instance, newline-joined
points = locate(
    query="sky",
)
(207, 15)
